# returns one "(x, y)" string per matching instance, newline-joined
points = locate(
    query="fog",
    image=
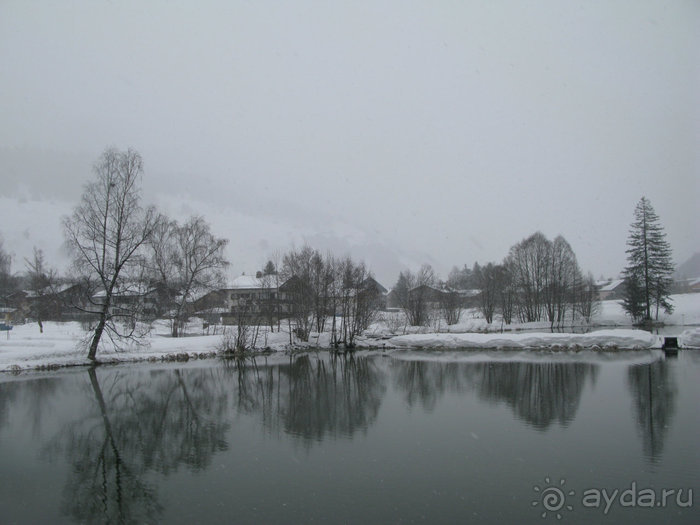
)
(399, 132)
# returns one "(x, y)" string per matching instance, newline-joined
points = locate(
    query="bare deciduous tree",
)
(451, 304)
(188, 260)
(490, 281)
(588, 302)
(543, 275)
(560, 280)
(306, 280)
(41, 280)
(106, 233)
(415, 294)
(7, 282)
(359, 299)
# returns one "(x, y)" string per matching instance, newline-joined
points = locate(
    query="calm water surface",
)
(434, 437)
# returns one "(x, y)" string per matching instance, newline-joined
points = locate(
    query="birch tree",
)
(106, 234)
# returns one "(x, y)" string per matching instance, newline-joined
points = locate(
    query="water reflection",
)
(538, 393)
(123, 430)
(425, 382)
(137, 422)
(654, 393)
(312, 398)
(36, 396)
(8, 393)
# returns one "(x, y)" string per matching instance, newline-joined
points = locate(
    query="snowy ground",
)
(603, 340)
(60, 344)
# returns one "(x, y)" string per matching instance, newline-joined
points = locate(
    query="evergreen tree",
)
(633, 299)
(648, 275)
(269, 269)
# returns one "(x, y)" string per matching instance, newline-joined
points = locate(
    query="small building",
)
(245, 298)
(8, 315)
(694, 285)
(608, 290)
(130, 299)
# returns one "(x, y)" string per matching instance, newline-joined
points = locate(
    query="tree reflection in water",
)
(312, 398)
(425, 382)
(653, 393)
(139, 422)
(538, 393)
(37, 396)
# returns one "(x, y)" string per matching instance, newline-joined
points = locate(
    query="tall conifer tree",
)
(648, 275)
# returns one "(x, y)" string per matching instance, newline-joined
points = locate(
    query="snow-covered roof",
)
(61, 287)
(129, 291)
(611, 285)
(246, 282)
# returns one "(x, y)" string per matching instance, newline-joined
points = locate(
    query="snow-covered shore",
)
(603, 340)
(60, 345)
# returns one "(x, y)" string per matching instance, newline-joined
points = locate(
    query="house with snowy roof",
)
(608, 290)
(694, 285)
(130, 298)
(246, 297)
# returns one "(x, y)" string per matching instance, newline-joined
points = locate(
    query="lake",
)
(401, 437)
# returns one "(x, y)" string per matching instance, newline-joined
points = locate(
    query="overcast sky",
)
(401, 132)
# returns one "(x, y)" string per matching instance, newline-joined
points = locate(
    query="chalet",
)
(130, 299)
(9, 315)
(260, 299)
(245, 297)
(694, 285)
(608, 290)
(251, 298)
(686, 286)
(429, 295)
(372, 286)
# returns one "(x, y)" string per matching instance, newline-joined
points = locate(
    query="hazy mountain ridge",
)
(689, 269)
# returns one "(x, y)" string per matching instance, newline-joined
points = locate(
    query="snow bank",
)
(602, 339)
(690, 338)
(626, 357)
(61, 345)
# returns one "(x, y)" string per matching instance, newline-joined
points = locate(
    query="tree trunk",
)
(96, 338)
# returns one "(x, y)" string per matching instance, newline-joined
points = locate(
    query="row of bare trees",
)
(546, 282)
(322, 289)
(122, 248)
(539, 280)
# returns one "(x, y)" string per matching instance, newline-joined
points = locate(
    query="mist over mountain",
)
(689, 269)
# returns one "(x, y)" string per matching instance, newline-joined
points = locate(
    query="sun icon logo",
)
(552, 497)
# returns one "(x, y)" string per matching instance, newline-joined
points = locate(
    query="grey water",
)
(402, 437)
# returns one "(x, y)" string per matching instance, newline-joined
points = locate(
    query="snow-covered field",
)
(61, 343)
(686, 312)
